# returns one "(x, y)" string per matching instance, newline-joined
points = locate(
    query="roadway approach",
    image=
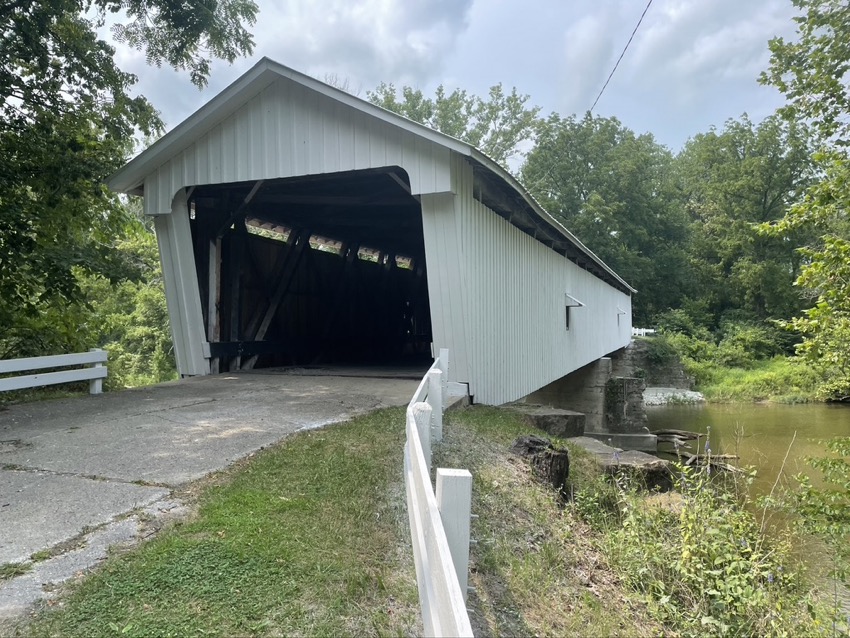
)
(80, 475)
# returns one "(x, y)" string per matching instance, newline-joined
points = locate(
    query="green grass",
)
(535, 568)
(310, 538)
(779, 379)
(10, 570)
(303, 539)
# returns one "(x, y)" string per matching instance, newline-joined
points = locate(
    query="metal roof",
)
(505, 187)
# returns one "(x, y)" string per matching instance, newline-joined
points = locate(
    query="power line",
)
(626, 48)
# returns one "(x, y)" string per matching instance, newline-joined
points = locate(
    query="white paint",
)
(94, 375)
(496, 293)
(182, 294)
(435, 400)
(441, 597)
(288, 129)
(642, 332)
(53, 361)
(443, 363)
(454, 498)
(497, 300)
(422, 413)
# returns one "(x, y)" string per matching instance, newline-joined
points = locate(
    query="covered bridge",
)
(298, 224)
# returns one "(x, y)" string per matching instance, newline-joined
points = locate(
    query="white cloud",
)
(693, 63)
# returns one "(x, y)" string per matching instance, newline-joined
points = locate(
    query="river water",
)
(761, 434)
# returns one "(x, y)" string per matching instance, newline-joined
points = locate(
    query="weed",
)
(41, 555)
(305, 538)
(10, 570)
(705, 566)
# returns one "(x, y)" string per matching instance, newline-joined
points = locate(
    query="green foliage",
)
(704, 564)
(733, 180)
(659, 351)
(500, 124)
(129, 318)
(67, 121)
(826, 326)
(824, 509)
(821, 510)
(812, 72)
(614, 190)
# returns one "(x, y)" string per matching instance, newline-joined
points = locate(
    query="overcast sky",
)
(692, 64)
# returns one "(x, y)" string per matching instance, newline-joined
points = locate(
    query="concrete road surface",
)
(71, 470)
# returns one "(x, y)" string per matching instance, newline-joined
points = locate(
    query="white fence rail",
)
(87, 366)
(439, 522)
(642, 332)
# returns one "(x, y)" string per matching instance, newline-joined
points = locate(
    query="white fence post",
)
(435, 400)
(422, 417)
(96, 385)
(454, 499)
(444, 368)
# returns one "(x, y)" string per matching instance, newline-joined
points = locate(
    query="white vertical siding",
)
(289, 130)
(513, 303)
(181, 288)
(445, 282)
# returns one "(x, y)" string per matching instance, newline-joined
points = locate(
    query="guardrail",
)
(439, 522)
(94, 371)
(642, 332)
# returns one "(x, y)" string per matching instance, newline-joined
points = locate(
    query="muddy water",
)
(761, 434)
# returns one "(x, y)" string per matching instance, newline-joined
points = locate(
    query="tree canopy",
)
(67, 120)
(813, 71)
(732, 180)
(500, 125)
(614, 190)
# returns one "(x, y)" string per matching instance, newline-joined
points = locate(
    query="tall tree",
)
(67, 119)
(733, 180)
(501, 125)
(813, 71)
(615, 190)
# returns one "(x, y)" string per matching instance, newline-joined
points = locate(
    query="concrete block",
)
(644, 442)
(555, 421)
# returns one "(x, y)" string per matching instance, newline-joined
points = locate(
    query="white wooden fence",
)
(439, 523)
(642, 332)
(93, 370)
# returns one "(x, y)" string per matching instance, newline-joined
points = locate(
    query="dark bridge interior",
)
(324, 269)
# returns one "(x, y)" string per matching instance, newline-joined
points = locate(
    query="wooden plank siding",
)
(289, 130)
(498, 300)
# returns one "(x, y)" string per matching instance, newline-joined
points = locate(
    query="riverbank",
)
(310, 537)
(777, 380)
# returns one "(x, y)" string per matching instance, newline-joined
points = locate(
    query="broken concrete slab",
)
(555, 421)
(37, 509)
(651, 471)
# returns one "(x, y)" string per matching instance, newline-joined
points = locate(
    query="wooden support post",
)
(235, 215)
(235, 288)
(422, 417)
(96, 385)
(454, 499)
(444, 368)
(435, 400)
(214, 299)
(289, 268)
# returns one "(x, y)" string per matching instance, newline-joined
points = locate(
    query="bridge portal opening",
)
(314, 270)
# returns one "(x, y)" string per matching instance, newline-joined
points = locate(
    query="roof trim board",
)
(131, 177)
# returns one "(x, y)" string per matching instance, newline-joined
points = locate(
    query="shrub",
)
(705, 566)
